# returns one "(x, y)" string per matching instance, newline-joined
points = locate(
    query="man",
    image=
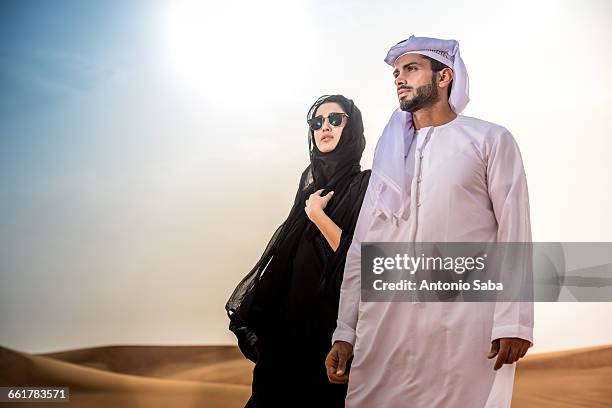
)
(437, 177)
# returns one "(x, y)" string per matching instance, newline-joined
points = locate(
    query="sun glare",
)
(213, 48)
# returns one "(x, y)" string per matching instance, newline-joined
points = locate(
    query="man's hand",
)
(336, 360)
(508, 350)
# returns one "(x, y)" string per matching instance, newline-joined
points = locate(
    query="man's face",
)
(415, 82)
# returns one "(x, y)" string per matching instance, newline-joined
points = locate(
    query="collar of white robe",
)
(388, 172)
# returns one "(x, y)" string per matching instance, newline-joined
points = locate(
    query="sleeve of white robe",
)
(507, 186)
(350, 291)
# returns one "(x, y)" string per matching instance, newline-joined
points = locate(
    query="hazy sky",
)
(148, 149)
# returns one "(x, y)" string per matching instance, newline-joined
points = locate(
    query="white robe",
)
(471, 187)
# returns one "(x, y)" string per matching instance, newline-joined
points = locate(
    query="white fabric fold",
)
(388, 167)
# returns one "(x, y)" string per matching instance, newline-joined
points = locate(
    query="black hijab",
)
(257, 300)
(330, 168)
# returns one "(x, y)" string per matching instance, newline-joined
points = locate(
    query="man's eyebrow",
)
(396, 72)
(409, 64)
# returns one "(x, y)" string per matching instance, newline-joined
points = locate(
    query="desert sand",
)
(218, 376)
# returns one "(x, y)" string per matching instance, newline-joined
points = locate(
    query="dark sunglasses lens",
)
(316, 123)
(335, 119)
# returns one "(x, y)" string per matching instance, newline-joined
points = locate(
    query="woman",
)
(284, 311)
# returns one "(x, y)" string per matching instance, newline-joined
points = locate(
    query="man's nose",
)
(399, 81)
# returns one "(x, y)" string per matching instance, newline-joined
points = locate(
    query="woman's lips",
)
(327, 138)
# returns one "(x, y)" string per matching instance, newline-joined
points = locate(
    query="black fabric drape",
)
(290, 297)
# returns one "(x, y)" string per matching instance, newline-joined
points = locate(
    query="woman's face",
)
(327, 137)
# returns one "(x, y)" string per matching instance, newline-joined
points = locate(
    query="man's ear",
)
(445, 76)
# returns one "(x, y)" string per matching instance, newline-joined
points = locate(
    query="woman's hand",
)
(314, 210)
(316, 203)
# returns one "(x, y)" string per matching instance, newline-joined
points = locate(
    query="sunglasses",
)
(335, 120)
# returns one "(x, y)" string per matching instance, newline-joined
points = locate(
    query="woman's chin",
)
(326, 148)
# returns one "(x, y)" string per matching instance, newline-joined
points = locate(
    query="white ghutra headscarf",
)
(388, 173)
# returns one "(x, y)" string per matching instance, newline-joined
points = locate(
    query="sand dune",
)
(565, 379)
(181, 362)
(218, 376)
(92, 386)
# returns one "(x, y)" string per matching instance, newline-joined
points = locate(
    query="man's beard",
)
(426, 96)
